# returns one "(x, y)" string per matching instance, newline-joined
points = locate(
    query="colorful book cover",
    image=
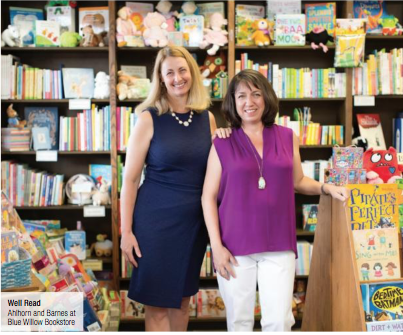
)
(383, 302)
(139, 12)
(138, 71)
(275, 7)
(208, 8)
(373, 206)
(310, 217)
(97, 17)
(290, 29)
(373, 11)
(377, 253)
(24, 19)
(65, 15)
(44, 117)
(97, 171)
(385, 326)
(47, 33)
(321, 14)
(9, 247)
(371, 129)
(192, 27)
(210, 304)
(245, 15)
(74, 243)
(78, 83)
(192, 306)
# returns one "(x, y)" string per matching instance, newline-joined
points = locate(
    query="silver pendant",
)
(262, 183)
(186, 123)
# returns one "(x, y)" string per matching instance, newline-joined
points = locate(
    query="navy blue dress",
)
(168, 218)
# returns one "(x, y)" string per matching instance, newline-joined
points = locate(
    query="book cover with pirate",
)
(373, 206)
(383, 306)
(377, 253)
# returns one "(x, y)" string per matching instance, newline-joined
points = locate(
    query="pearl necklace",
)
(261, 182)
(185, 123)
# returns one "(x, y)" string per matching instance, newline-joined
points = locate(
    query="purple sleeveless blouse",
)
(253, 220)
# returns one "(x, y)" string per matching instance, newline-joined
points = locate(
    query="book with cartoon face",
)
(9, 247)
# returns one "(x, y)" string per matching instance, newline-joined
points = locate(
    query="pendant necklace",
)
(184, 123)
(261, 183)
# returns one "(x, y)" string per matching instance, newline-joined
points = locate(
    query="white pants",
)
(274, 273)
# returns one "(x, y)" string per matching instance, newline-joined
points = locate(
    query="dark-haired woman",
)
(248, 205)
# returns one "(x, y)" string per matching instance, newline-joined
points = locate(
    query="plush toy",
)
(101, 196)
(13, 119)
(382, 166)
(103, 247)
(125, 27)
(72, 4)
(319, 37)
(215, 36)
(213, 65)
(70, 39)
(389, 25)
(130, 87)
(261, 36)
(101, 90)
(188, 8)
(10, 36)
(155, 33)
(90, 39)
(164, 7)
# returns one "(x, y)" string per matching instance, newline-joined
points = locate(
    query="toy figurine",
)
(319, 37)
(103, 247)
(10, 37)
(13, 119)
(261, 36)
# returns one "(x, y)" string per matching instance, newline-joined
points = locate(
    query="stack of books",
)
(14, 139)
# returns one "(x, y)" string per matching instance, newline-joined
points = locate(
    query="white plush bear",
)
(10, 36)
(102, 89)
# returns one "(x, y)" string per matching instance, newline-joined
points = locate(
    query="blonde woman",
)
(163, 231)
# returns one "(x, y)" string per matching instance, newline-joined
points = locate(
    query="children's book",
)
(371, 129)
(103, 171)
(383, 302)
(245, 15)
(138, 71)
(44, 117)
(9, 247)
(192, 27)
(321, 14)
(139, 12)
(210, 304)
(41, 138)
(47, 34)
(275, 7)
(24, 19)
(373, 206)
(310, 217)
(97, 17)
(290, 29)
(74, 243)
(377, 253)
(65, 15)
(208, 8)
(78, 83)
(192, 306)
(385, 326)
(373, 11)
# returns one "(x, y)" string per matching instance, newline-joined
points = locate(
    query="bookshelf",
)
(109, 59)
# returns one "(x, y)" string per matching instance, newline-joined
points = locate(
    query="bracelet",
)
(322, 189)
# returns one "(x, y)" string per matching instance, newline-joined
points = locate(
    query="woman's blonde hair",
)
(198, 98)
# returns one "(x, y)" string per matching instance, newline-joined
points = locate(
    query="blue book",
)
(78, 83)
(372, 11)
(44, 117)
(24, 19)
(103, 171)
(74, 243)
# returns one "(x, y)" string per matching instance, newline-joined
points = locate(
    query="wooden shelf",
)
(311, 99)
(316, 146)
(31, 152)
(62, 207)
(103, 259)
(142, 49)
(48, 101)
(381, 37)
(141, 100)
(281, 47)
(56, 49)
(301, 232)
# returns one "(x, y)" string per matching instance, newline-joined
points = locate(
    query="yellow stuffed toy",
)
(261, 36)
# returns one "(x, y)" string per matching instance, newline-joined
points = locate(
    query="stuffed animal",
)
(213, 65)
(90, 39)
(10, 36)
(319, 37)
(101, 90)
(130, 87)
(164, 7)
(124, 26)
(13, 119)
(103, 247)
(215, 36)
(188, 8)
(261, 36)
(389, 25)
(382, 166)
(101, 196)
(155, 33)
(70, 39)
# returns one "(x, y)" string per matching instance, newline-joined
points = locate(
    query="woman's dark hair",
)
(256, 79)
